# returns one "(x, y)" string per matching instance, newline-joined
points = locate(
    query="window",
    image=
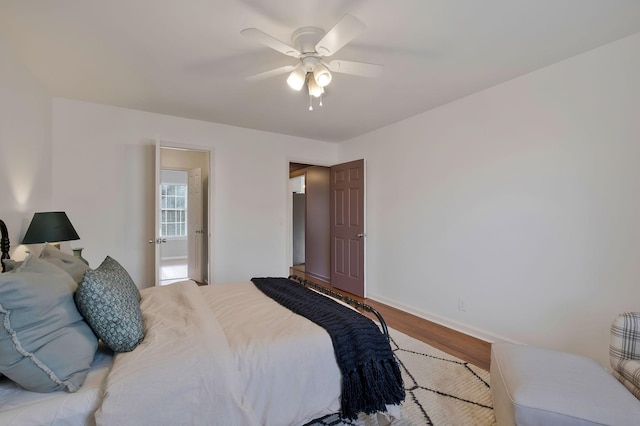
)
(174, 207)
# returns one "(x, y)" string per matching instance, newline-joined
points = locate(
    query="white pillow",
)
(69, 263)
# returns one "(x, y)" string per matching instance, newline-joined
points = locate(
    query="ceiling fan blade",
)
(264, 38)
(361, 69)
(347, 28)
(271, 73)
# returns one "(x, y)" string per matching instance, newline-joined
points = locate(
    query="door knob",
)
(361, 235)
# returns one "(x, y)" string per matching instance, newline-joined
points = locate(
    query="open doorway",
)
(297, 188)
(174, 252)
(334, 224)
(182, 216)
(311, 250)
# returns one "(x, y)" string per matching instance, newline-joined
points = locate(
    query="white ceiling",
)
(187, 58)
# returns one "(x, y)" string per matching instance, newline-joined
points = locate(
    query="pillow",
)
(119, 274)
(65, 261)
(10, 264)
(110, 302)
(45, 345)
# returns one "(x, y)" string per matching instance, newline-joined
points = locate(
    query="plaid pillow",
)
(624, 350)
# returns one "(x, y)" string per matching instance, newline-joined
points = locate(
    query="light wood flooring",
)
(465, 347)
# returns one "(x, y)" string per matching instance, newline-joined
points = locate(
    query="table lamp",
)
(50, 227)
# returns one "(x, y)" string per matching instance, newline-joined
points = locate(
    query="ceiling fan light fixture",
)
(296, 78)
(315, 89)
(311, 46)
(321, 75)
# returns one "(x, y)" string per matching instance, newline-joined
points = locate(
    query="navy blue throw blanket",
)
(370, 374)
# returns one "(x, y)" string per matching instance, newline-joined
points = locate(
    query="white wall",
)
(25, 133)
(522, 200)
(103, 169)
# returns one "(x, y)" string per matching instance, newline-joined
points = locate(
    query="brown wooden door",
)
(347, 227)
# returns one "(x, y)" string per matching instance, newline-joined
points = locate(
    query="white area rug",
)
(441, 389)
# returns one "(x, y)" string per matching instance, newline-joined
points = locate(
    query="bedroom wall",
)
(103, 169)
(25, 135)
(523, 201)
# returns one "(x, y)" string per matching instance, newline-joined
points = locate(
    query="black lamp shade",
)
(50, 227)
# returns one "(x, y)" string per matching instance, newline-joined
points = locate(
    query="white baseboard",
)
(462, 328)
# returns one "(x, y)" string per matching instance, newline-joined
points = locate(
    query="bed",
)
(220, 354)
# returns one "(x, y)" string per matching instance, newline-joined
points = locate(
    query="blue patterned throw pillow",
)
(109, 301)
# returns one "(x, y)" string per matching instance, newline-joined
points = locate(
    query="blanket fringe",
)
(371, 387)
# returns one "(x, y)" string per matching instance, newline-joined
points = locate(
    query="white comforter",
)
(221, 355)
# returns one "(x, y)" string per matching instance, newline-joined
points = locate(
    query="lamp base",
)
(77, 252)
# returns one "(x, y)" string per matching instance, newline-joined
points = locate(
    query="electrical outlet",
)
(461, 305)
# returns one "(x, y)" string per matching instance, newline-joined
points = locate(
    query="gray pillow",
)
(10, 264)
(69, 263)
(110, 302)
(117, 273)
(45, 345)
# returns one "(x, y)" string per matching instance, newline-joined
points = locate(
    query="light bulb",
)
(321, 75)
(314, 89)
(296, 78)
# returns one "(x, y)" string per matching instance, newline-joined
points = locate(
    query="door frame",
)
(289, 210)
(209, 220)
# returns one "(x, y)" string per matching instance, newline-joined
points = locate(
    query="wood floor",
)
(467, 348)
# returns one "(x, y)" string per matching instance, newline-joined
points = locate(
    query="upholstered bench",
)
(536, 386)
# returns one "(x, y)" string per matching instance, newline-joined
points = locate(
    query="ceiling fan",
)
(310, 45)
